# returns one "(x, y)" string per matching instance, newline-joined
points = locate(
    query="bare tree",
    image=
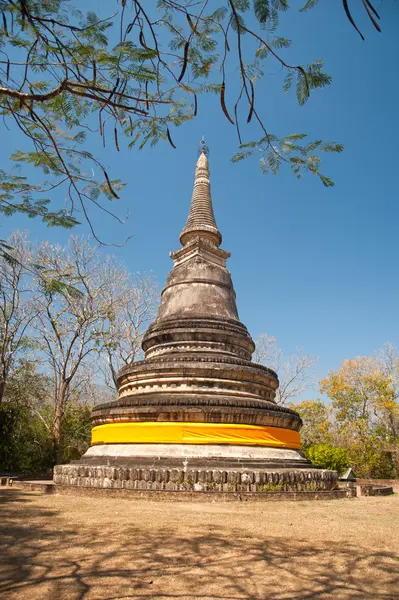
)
(16, 307)
(387, 360)
(78, 291)
(295, 372)
(123, 332)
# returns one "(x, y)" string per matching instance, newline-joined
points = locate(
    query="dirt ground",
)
(73, 548)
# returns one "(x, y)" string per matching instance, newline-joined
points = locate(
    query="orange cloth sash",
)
(194, 433)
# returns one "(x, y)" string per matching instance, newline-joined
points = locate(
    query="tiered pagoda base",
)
(228, 444)
(191, 440)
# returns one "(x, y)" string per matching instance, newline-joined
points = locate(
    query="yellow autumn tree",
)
(316, 419)
(365, 409)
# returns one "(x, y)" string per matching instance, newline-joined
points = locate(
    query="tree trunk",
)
(2, 386)
(57, 423)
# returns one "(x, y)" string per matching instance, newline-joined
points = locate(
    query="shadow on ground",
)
(44, 556)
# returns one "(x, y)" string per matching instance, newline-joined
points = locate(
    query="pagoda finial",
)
(203, 147)
(201, 220)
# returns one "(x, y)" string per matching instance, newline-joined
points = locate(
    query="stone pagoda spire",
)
(201, 219)
(199, 285)
(196, 400)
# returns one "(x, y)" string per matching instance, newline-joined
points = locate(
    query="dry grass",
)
(72, 548)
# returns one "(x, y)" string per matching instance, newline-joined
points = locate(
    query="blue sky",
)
(317, 268)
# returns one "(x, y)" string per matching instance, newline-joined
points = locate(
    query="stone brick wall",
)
(200, 480)
(382, 482)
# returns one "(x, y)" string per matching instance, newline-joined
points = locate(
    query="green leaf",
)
(262, 51)
(288, 81)
(309, 4)
(262, 10)
(326, 180)
(241, 23)
(332, 147)
(280, 5)
(281, 42)
(240, 156)
(302, 88)
(274, 161)
(264, 167)
(242, 5)
(295, 136)
(311, 146)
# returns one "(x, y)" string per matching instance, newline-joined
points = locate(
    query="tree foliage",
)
(363, 414)
(326, 456)
(91, 290)
(80, 314)
(137, 73)
(24, 440)
(317, 427)
(26, 416)
(16, 307)
(366, 411)
(362, 396)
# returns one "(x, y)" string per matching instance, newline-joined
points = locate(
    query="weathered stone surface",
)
(201, 480)
(171, 495)
(374, 490)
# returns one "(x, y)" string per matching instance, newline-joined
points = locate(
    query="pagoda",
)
(196, 414)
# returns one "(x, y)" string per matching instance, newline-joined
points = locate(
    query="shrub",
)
(330, 457)
(76, 431)
(25, 446)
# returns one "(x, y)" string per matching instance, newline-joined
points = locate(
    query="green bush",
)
(330, 457)
(76, 431)
(26, 444)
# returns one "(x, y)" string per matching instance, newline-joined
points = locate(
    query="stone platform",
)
(198, 455)
(141, 477)
(195, 497)
(195, 468)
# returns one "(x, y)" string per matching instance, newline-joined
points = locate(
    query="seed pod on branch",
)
(115, 195)
(169, 137)
(348, 14)
(251, 109)
(223, 104)
(116, 138)
(5, 24)
(185, 60)
(100, 123)
(369, 7)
